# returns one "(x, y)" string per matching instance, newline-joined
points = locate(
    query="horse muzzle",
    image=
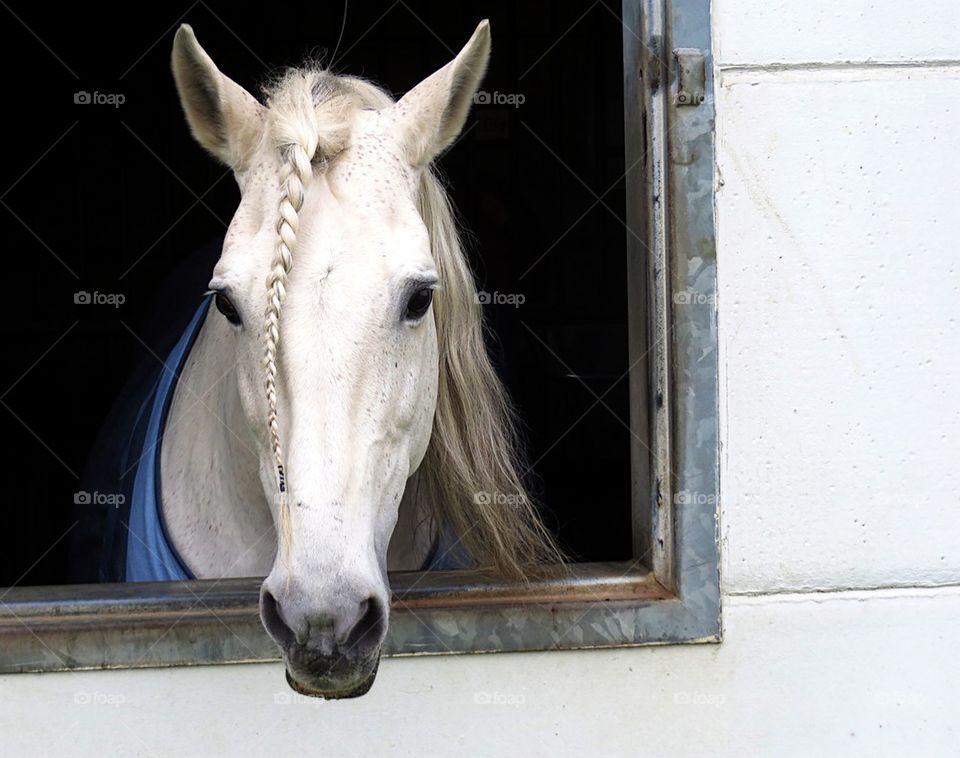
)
(330, 678)
(331, 648)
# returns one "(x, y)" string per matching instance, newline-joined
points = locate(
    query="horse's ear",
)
(224, 118)
(431, 115)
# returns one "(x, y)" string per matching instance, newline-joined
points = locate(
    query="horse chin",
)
(330, 688)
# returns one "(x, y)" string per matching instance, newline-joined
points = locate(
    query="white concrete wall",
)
(839, 294)
(864, 674)
(838, 141)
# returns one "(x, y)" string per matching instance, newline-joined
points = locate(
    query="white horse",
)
(328, 425)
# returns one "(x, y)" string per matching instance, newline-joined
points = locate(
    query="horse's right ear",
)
(224, 118)
(432, 114)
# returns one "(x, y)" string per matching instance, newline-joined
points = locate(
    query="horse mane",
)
(470, 480)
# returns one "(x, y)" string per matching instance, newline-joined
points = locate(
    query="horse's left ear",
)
(224, 118)
(431, 115)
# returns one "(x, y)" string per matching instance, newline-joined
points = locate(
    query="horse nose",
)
(352, 626)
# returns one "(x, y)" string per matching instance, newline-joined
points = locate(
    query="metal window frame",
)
(670, 593)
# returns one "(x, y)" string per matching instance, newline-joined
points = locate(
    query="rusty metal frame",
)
(670, 593)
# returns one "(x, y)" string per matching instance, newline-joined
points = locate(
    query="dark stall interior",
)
(114, 198)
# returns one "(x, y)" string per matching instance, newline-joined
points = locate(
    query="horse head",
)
(353, 320)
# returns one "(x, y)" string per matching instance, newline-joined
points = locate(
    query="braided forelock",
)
(295, 135)
(309, 121)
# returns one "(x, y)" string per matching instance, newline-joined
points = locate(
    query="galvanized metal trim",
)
(217, 621)
(694, 365)
(671, 260)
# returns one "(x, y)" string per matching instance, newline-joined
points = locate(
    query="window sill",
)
(209, 621)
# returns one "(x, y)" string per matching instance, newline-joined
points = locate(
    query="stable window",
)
(618, 390)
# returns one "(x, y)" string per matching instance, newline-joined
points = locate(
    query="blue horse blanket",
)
(151, 557)
(122, 536)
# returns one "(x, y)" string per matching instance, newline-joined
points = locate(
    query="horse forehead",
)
(367, 202)
(372, 166)
(360, 211)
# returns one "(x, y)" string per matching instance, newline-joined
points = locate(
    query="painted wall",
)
(838, 143)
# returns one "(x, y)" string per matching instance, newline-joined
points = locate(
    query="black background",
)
(112, 193)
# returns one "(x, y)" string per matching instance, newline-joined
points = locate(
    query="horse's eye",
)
(418, 303)
(227, 309)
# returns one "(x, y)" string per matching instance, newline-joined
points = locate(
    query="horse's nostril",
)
(351, 630)
(367, 631)
(276, 627)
